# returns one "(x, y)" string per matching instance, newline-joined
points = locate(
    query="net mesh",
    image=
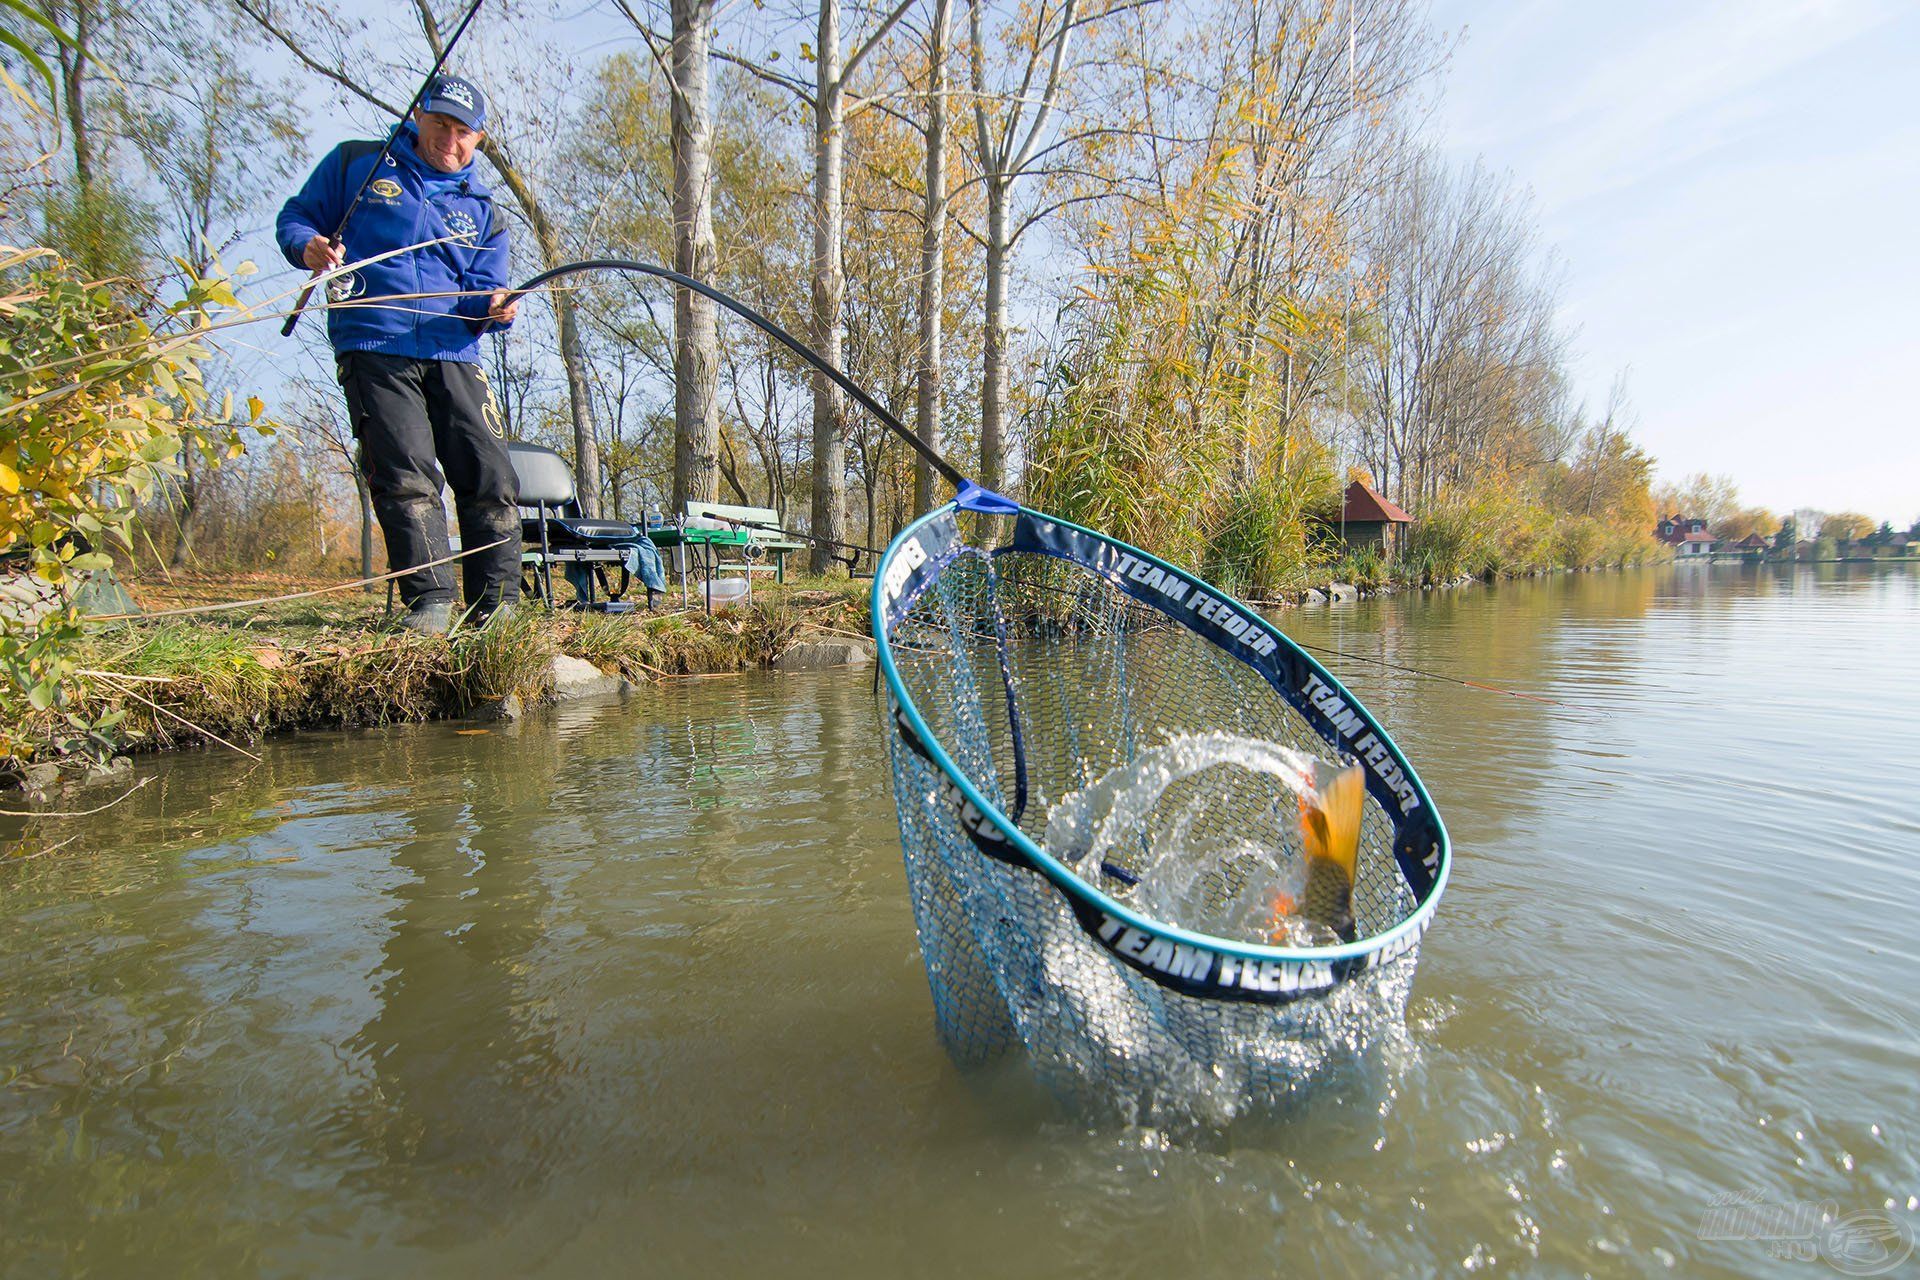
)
(1038, 676)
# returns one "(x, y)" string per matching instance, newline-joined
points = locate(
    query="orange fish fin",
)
(1330, 817)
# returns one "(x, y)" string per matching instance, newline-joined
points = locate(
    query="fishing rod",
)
(947, 470)
(336, 240)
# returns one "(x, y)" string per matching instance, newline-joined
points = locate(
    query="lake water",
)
(633, 988)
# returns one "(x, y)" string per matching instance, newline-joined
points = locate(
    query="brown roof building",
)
(1369, 520)
(1687, 535)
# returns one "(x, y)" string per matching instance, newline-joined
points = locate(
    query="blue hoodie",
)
(407, 202)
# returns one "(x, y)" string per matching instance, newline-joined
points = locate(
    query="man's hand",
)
(322, 254)
(499, 310)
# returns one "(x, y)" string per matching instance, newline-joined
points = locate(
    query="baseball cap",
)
(458, 97)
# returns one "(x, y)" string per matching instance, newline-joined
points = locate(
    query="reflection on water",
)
(634, 987)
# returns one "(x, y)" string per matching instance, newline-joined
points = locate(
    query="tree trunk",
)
(993, 381)
(586, 448)
(932, 260)
(873, 510)
(586, 442)
(770, 430)
(829, 413)
(73, 79)
(696, 359)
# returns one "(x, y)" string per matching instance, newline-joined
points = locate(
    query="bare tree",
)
(193, 101)
(1010, 122)
(1462, 372)
(933, 256)
(683, 53)
(833, 71)
(339, 440)
(696, 360)
(830, 100)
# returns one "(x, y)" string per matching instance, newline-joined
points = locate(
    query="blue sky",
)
(1732, 187)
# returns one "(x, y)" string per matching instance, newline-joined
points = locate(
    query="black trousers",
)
(415, 419)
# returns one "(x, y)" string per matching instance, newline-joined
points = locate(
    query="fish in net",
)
(1122, 797)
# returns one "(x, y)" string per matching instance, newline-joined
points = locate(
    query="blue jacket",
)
(407, 202)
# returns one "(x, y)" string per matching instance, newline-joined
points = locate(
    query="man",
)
(416, 394)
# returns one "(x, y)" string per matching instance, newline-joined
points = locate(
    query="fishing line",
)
(253, 315)
(292, 595)
(1316, 648)
(1431, 675)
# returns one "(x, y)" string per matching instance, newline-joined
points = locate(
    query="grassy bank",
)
(337, 662)
(1369, 572)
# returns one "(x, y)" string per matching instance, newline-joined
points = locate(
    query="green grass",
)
(244, 674)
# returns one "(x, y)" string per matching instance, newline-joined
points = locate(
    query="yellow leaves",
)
(255, 407)
(97, 409)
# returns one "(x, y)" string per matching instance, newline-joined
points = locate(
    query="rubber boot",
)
(429, 617)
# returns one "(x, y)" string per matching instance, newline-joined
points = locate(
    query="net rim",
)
(1389, 943)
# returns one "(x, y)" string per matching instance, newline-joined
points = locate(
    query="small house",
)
(1688, 536)
(1751, 547)
(1369, 520)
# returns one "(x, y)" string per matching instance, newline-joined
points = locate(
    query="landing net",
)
(1030, 683)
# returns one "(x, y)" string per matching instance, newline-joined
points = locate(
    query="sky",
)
(1731, 189)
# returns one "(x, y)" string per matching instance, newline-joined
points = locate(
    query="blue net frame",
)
(1018, 674)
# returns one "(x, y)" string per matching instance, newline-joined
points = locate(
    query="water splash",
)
(1200, 832)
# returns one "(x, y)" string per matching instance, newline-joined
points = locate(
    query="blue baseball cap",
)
(458, 97)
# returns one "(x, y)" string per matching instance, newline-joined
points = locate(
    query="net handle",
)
(968, 491)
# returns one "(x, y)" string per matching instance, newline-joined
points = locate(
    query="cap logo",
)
(454, 91)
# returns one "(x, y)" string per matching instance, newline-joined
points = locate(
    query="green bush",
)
(97, 404)
(1364, 567)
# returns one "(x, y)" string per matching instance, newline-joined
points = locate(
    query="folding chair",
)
(555, 532)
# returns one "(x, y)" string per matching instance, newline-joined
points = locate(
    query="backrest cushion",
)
(544, 475)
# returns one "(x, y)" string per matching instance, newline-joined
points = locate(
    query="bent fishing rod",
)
(950, 473)
(336, 240)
